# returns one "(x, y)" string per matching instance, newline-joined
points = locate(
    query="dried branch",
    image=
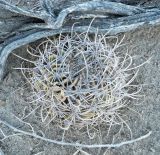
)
(110, 27)
(107, 7)
(32, 31)
(75, 144)
(47, 14)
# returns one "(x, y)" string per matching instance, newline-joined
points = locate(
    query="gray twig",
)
(76, 144)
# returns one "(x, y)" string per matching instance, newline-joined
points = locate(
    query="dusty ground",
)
(144, 43)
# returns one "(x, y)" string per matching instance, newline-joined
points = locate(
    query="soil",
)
(144, 116)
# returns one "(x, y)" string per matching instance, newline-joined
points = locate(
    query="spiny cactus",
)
(81, 80)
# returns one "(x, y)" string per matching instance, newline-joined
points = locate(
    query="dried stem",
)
(75, 144)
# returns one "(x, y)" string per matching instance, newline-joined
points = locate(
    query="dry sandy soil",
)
(145, 44)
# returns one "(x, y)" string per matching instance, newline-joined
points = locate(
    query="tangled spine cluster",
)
(81, 80)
